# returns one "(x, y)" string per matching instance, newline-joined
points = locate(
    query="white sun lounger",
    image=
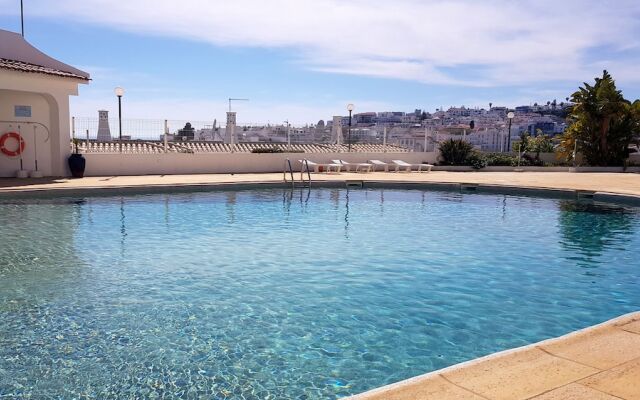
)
(359, 167)
(378, 163)
(328, 168)
(407, 167)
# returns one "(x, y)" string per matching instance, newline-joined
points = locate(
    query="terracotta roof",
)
(26, 67)
(19, 55)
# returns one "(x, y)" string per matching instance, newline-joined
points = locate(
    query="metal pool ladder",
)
(288, 169)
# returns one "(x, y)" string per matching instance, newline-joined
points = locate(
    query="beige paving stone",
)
(602, 348)
(628, 183)
(632, 327)
(574, 391)
(518, 375)
(433, 387)
(622, 381)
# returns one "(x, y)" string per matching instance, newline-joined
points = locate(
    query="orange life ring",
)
(12, 135)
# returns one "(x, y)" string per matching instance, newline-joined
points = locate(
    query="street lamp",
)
(510, 116)
(288, 134)
(350, 109)
(119, 92)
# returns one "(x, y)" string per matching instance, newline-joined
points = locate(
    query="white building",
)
(34, 104)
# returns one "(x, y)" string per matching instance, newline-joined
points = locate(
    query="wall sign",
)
(22, 111)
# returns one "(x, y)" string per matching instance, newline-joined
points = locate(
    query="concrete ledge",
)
(528, 191)
(101, 191)
(617, 198)
(606, 187)
(342, 183)
(459, 168)
(604, 169)
(585, 361)
(440, 186)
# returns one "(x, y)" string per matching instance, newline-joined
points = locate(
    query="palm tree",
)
(603, 121)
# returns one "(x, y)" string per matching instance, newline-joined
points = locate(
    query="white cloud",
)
(497, 42)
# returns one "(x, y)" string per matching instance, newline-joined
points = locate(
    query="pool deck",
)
(600, 362)
(627, 184)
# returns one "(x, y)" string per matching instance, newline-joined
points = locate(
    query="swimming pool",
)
(276, 293)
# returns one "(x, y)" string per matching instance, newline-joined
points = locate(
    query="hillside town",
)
(487, 129)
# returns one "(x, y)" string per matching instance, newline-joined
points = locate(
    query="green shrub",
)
(528, 160)
(461, 152)
(534, 145)
(540, 144)
(455, 151)
(501, 160)
(476, 160)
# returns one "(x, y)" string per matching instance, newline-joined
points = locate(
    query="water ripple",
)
(269, 294)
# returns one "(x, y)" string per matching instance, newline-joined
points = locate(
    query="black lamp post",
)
(119, 92)
(510, 116)
(350, 109)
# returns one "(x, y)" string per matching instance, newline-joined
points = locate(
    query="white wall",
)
(180, 163)
(21, 87)
(40, 112)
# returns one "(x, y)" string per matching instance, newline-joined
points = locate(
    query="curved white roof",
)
(17, 54)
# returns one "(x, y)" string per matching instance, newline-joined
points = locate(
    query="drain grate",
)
(585, 195)
(468, 187)
(354, 184)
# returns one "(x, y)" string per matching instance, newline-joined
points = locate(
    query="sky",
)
(305, 60)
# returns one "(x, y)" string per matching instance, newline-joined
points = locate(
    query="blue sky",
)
(304, 60)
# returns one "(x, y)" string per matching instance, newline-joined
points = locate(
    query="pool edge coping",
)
(496, 188)
(392, 387)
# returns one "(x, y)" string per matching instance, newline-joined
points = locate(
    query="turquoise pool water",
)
(272, 294)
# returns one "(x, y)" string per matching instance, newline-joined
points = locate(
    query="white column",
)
(384, 139)
(60, 131)
(230, 131)
(425, 139)
(336, 131)
(166, 132)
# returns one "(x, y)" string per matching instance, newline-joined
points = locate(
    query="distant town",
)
(489, 129)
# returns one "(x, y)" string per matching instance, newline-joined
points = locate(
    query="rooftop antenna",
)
(22, 17)
(232, 99)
